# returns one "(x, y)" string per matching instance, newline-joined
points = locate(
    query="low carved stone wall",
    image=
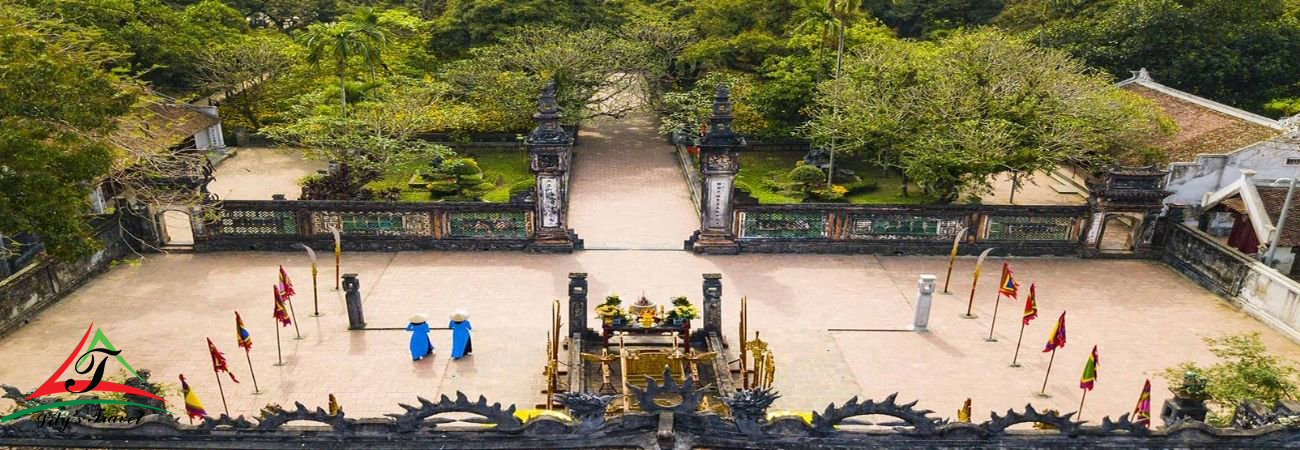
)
(1259, 290)
(426, 423)
(367, 226)
(46, 280)
(909, 229)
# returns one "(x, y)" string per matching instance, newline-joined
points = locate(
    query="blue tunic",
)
(460, 343)
(420, 345)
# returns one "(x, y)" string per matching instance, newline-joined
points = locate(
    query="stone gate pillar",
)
(550, 148)
(712, 303)
(719, 163)
(577, 303)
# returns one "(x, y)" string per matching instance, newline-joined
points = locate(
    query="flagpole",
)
(222, 390)
(279, 356)
(1079, 413)
(997, 301)
(1043, 391)
(289, 300)
(250, 370)
(1018, 340)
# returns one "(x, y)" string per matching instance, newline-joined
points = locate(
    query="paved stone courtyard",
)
(835, 322)
(1143, 316)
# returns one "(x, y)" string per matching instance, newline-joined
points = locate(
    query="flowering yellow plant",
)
(608, 311)
(685, 312)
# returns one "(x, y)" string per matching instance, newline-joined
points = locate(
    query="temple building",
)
(1214, 141)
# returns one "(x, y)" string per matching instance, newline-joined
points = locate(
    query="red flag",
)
(1008, 286)
(1142, 412)
(244, 339)
(286, 286)
(280, 313)
(1058, 335)
(1031, 306)
(219, 361)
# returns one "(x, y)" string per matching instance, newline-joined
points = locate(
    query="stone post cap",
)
(349, 275)
(713, 276)
(927, 278)
(575, 275)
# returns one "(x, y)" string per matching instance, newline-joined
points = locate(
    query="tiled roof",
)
(160, 123)
(1204, 126)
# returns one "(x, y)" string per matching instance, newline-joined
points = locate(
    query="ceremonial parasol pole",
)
(952, 257)
(974, 282)
(315, 295)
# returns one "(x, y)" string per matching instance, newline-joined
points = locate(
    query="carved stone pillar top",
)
(577, 303)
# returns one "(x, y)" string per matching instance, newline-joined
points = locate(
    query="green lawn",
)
(756, 167)
(502, 168)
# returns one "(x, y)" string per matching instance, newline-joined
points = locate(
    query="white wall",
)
(1190, 181)
(1272, 298)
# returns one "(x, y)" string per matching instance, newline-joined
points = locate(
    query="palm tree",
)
(358, 35)
(832, 17)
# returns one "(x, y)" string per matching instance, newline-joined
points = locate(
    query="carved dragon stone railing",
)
(661, 423)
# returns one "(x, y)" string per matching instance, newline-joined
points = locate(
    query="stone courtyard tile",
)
(1143, 316)
(255, 173)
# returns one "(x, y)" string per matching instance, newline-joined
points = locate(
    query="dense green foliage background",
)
(372, 73)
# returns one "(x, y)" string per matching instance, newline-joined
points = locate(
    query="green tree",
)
(596, 72)
(242, 71)
(1245, 370)
(953, 113)
(160, 39)
(466, 24)
(337, 43)
(832, 17)
(1240, 52)
(51, 149)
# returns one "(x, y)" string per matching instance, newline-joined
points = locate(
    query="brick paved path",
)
(627, 191)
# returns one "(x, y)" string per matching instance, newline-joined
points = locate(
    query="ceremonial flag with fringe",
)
(1058, 335)
(1031, 306)
(280, 313)
(1142, 413)
(1089, 377)
(193, 407)
(219, 361)
(241, 333)
(286, 286)
(1007, 286)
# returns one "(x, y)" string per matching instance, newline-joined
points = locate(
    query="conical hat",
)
(459, 315)
(419, 318)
